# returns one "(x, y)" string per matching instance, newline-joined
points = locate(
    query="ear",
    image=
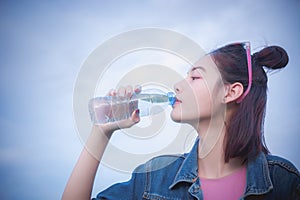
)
(233, 92)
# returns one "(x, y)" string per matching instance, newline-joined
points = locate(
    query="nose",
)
(177, 87)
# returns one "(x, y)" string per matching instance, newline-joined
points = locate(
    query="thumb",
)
(135, 117)
(127, 123)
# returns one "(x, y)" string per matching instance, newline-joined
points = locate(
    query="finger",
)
(137, 89)
(135, 117)
(121, 91)
(112, 92)
(126, 123)
(129, 91)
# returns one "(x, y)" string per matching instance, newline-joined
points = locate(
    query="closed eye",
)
(195, 78)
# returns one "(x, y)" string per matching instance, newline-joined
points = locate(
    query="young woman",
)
(224, 98)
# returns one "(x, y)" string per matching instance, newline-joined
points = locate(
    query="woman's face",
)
(200, 94)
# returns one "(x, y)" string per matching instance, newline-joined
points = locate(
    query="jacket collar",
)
(188, 170)
(258, 176)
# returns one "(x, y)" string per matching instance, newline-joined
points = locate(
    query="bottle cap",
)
(171, 97)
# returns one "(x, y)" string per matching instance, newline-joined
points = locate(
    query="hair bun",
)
(273, 57)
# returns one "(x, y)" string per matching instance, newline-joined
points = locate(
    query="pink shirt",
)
(229, 187)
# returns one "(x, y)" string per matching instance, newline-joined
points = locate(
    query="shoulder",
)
(285, 177)
(282, 164)
(162, 162)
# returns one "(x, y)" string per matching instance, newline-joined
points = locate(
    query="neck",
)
(211, 162)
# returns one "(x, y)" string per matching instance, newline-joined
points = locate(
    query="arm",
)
(80, 183)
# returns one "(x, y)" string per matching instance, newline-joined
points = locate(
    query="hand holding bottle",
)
(115, 111)
(128, 104)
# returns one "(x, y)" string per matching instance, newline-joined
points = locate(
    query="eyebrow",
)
(198, 67)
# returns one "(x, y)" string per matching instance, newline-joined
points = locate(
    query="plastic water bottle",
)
(114, 108)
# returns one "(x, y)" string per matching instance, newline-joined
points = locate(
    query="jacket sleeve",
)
(295, 194)
(130, 190)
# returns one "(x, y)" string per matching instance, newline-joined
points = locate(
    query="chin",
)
(188, 119)
(179, 118)
(176, 117)
(176, 120)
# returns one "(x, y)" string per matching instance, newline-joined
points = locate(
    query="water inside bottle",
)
(111, 109)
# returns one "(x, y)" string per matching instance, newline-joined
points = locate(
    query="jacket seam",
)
(284, 166)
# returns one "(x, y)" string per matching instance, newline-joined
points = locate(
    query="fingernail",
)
(137, 111)
(138, 89)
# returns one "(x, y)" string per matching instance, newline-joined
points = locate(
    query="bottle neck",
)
(156, 98)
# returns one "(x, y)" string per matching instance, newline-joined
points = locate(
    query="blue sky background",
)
(44, 43)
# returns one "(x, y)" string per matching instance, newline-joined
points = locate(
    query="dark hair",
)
(244, 132)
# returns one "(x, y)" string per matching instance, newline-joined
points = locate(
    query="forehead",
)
(208, 70)
(205, 64)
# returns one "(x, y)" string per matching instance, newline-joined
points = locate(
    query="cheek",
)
(202, 105)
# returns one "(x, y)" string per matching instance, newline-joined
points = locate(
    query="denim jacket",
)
(268, 177)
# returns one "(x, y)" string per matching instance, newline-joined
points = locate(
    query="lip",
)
(177, 101)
